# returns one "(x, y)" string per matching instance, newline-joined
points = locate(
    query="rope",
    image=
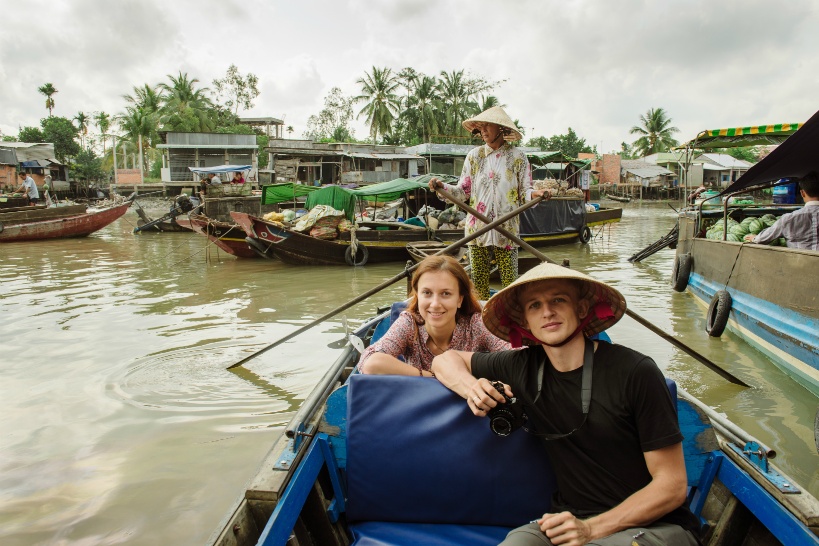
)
(207, 247)
(353, 242)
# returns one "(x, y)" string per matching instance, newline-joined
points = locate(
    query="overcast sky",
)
(592, 65)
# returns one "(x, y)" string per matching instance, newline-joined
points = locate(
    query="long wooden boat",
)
(228, 237)
(767, 295)
(57, 222)
(619, 198)
(373, 245)
(390, 460)
(563, 221)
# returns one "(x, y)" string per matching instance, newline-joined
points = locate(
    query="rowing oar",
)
(674, 341)
(488, 227)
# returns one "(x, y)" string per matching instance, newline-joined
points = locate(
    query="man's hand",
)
(564, 528)
(749, 238)
(435, 183)
(482, 396)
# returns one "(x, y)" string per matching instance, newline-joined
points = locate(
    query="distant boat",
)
(56, 222)
(229, 237)
(620, 198)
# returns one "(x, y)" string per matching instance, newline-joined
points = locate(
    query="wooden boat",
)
(767, 295)
(390, 460)
(57, 222)
(373, 245)
(173, 221)
(563, 221)
(620, 198)
(228, 237)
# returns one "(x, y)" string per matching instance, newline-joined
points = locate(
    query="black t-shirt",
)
(631, 412)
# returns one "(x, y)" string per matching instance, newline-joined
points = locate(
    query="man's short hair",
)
(810, 184)
(23, 174)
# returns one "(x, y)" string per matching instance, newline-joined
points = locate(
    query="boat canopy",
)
(735, 137)
(794, 158)
(286, 191)
(221, 169)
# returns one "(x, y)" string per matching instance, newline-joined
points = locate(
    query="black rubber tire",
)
(585, 235)
(680, 272)
(350, 259)
(718, 312)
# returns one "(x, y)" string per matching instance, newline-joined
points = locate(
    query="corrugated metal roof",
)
(207, 146)
(649, 172)
(726, 161)
(375, 155)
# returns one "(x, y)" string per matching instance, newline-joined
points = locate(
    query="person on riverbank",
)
(496, 178)
(29, 189)
(443, 313)
(800, 228)
(605, 415)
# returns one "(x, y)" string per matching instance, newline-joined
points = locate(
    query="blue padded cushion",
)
(672, 388)
(378, 533)
(416, 454)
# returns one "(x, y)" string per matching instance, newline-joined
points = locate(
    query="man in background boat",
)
(800, 228)
(29, 188)
(605, 415)
(496, 179)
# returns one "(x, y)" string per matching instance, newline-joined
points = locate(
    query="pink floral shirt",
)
(496, 182)
(408, 338)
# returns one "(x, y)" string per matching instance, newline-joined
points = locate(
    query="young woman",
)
(443, 313)
(238, 178)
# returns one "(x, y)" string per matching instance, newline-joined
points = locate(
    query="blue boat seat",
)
(421, 469)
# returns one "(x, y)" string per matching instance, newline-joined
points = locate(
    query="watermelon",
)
(756, 226)
(733, 238)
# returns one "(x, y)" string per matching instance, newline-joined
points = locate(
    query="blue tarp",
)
(221, 169)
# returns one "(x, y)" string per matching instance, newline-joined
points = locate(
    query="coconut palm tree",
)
(146, 97)
(103, 122)
(426, 103)
(382, 103)
(656, 133)
(139, 127)
(48, 90)
(185, 108)
(455, 96)
(82, 126)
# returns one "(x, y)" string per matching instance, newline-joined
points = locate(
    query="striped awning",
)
(754, 135)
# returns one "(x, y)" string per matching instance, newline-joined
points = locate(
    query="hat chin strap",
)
(601, 310)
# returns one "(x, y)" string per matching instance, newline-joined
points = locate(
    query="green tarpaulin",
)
(279, 193)
(335, 196)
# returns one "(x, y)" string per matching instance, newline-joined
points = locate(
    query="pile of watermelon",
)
(738, 230)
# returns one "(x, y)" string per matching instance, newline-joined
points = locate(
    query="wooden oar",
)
(668, 337)
(404, 274)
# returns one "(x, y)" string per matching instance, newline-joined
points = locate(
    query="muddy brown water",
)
(120, 423)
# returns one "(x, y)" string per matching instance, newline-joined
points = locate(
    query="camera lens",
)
(501, 426)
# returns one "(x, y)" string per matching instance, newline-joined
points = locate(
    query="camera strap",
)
(585, 391)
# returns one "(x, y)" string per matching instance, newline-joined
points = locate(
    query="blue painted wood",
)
(280, 525)
(339, 502)
(698, 440)
(335, 415)
(779, 521)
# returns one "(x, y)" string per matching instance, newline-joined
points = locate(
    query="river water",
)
(120, 423)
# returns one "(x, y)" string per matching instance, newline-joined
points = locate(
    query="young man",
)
(801, 227)
(496, 179)
(29, 188)
(604, 412)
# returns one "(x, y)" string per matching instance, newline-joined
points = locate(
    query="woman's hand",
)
(435, 183)
(546, 194)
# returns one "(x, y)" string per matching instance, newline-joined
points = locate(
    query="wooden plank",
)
(41, 214)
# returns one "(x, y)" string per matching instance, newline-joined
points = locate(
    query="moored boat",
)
(228, 237)
(765, 294)
(57, 222)
(618, 198)
(390, 460)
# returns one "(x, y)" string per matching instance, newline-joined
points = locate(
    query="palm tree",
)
(48, 90)
(146, 97)
(656, 133)
(382, 103)
(139, 127)
(185, 107)
(425, 101)
(103, 122)
(290, 130)
(455, 96)
(82, 126)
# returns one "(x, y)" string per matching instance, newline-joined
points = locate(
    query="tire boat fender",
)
(680, 271)
(585, 235)
(718, 311)
(361, 251)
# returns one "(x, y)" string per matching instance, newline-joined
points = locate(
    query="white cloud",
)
(594, 65)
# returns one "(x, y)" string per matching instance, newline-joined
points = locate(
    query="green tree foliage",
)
(82, 126)
(569, 144)
(87, 166)
(185, 108)
(103, 122)
(332, 124)
(235, 91)
(460, 94)
(30, 134)
(626, 151)
(381, 102)
(62, 133)
(656, 133)
(48, 90)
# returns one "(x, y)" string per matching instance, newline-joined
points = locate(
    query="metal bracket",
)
(754, 454)
(288, 455)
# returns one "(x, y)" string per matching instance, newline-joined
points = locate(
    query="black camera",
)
(504, 419)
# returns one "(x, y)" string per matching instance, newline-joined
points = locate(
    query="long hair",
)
(470, 304)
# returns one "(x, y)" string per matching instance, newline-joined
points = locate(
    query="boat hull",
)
(226, 236)
(76, 225)
(774, 307)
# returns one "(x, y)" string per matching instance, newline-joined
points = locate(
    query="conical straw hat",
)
(496, 115)
(503, 309)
